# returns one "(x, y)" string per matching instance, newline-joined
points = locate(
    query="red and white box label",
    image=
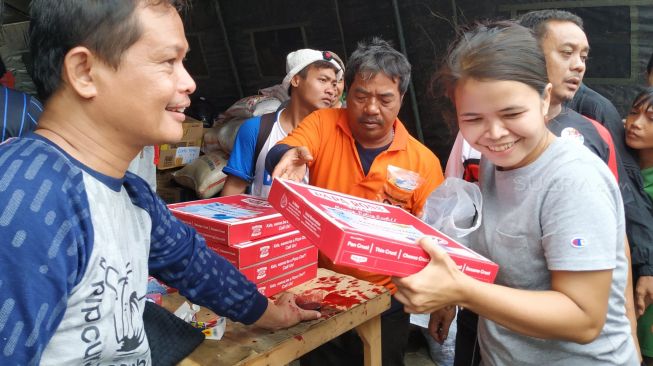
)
(279, 265)
(232, 219)
(368, 235)
(253, 252)
(281, 283)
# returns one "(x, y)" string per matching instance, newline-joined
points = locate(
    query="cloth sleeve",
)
(180, 258)
(274, 156)
(47, 238)
(582, 221)
(308, 134)
(242, 155)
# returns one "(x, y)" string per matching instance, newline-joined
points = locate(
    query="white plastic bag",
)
(454, 208)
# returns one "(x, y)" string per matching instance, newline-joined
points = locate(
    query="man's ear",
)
(295, 80)
(546, 98)
(78, 70)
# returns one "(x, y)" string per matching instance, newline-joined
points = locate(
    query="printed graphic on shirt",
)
(128, 330)
(578, 243)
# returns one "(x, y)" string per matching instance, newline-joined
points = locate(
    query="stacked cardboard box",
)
(368, 235)
(255, 238)
(168, 156)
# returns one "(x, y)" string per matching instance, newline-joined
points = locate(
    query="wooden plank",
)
(253, 346)
(370, 333)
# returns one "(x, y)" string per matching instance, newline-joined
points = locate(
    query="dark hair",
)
(378, 56)
(645, 97)
(649, 67)
(493, 51)
(538, 19)
(106, 27)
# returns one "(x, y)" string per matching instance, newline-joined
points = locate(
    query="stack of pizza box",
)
(251, 234)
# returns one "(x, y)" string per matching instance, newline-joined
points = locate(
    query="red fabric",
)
(605, 135)
(8, 80)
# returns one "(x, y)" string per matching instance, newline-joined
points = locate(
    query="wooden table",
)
(350, 303)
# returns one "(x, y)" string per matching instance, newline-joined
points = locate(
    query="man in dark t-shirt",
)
(639, 208)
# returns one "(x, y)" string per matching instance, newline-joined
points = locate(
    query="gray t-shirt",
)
(562, 212)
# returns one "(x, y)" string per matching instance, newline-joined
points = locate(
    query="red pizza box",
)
(253, 252)
(368, 235)
(232, 219)
(281, 283)
(277, 266)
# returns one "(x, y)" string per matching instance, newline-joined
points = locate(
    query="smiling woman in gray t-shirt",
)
(553, 219)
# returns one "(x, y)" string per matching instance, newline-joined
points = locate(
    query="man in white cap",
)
(311, 82)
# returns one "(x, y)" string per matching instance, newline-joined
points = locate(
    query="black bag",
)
(267, 122)
(170, 338)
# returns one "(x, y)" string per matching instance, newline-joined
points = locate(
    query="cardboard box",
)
(275, 285)
(185, 151)
(368, 235)
(278, 266)
(253, 252)
(232, 219)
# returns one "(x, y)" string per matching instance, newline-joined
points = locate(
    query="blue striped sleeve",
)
(240, 162)
(46, 239)
(180, 258)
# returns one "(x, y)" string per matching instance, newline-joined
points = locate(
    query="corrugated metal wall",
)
(238, 46)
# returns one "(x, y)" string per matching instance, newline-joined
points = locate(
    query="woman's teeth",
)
(499, 148)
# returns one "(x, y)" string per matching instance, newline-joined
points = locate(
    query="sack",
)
(254, 105)
(204, 175)
(210, 141)
(227, 134)
(454, 208)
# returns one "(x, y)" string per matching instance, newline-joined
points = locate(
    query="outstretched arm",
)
(284, 313)
(574, 309)
(293, 164)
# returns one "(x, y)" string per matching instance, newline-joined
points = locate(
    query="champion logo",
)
(578, 243)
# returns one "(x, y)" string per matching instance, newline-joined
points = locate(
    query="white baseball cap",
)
(298, 60)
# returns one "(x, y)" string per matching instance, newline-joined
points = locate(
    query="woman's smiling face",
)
(504, 120)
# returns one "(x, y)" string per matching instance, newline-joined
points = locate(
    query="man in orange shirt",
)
(363, 150)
